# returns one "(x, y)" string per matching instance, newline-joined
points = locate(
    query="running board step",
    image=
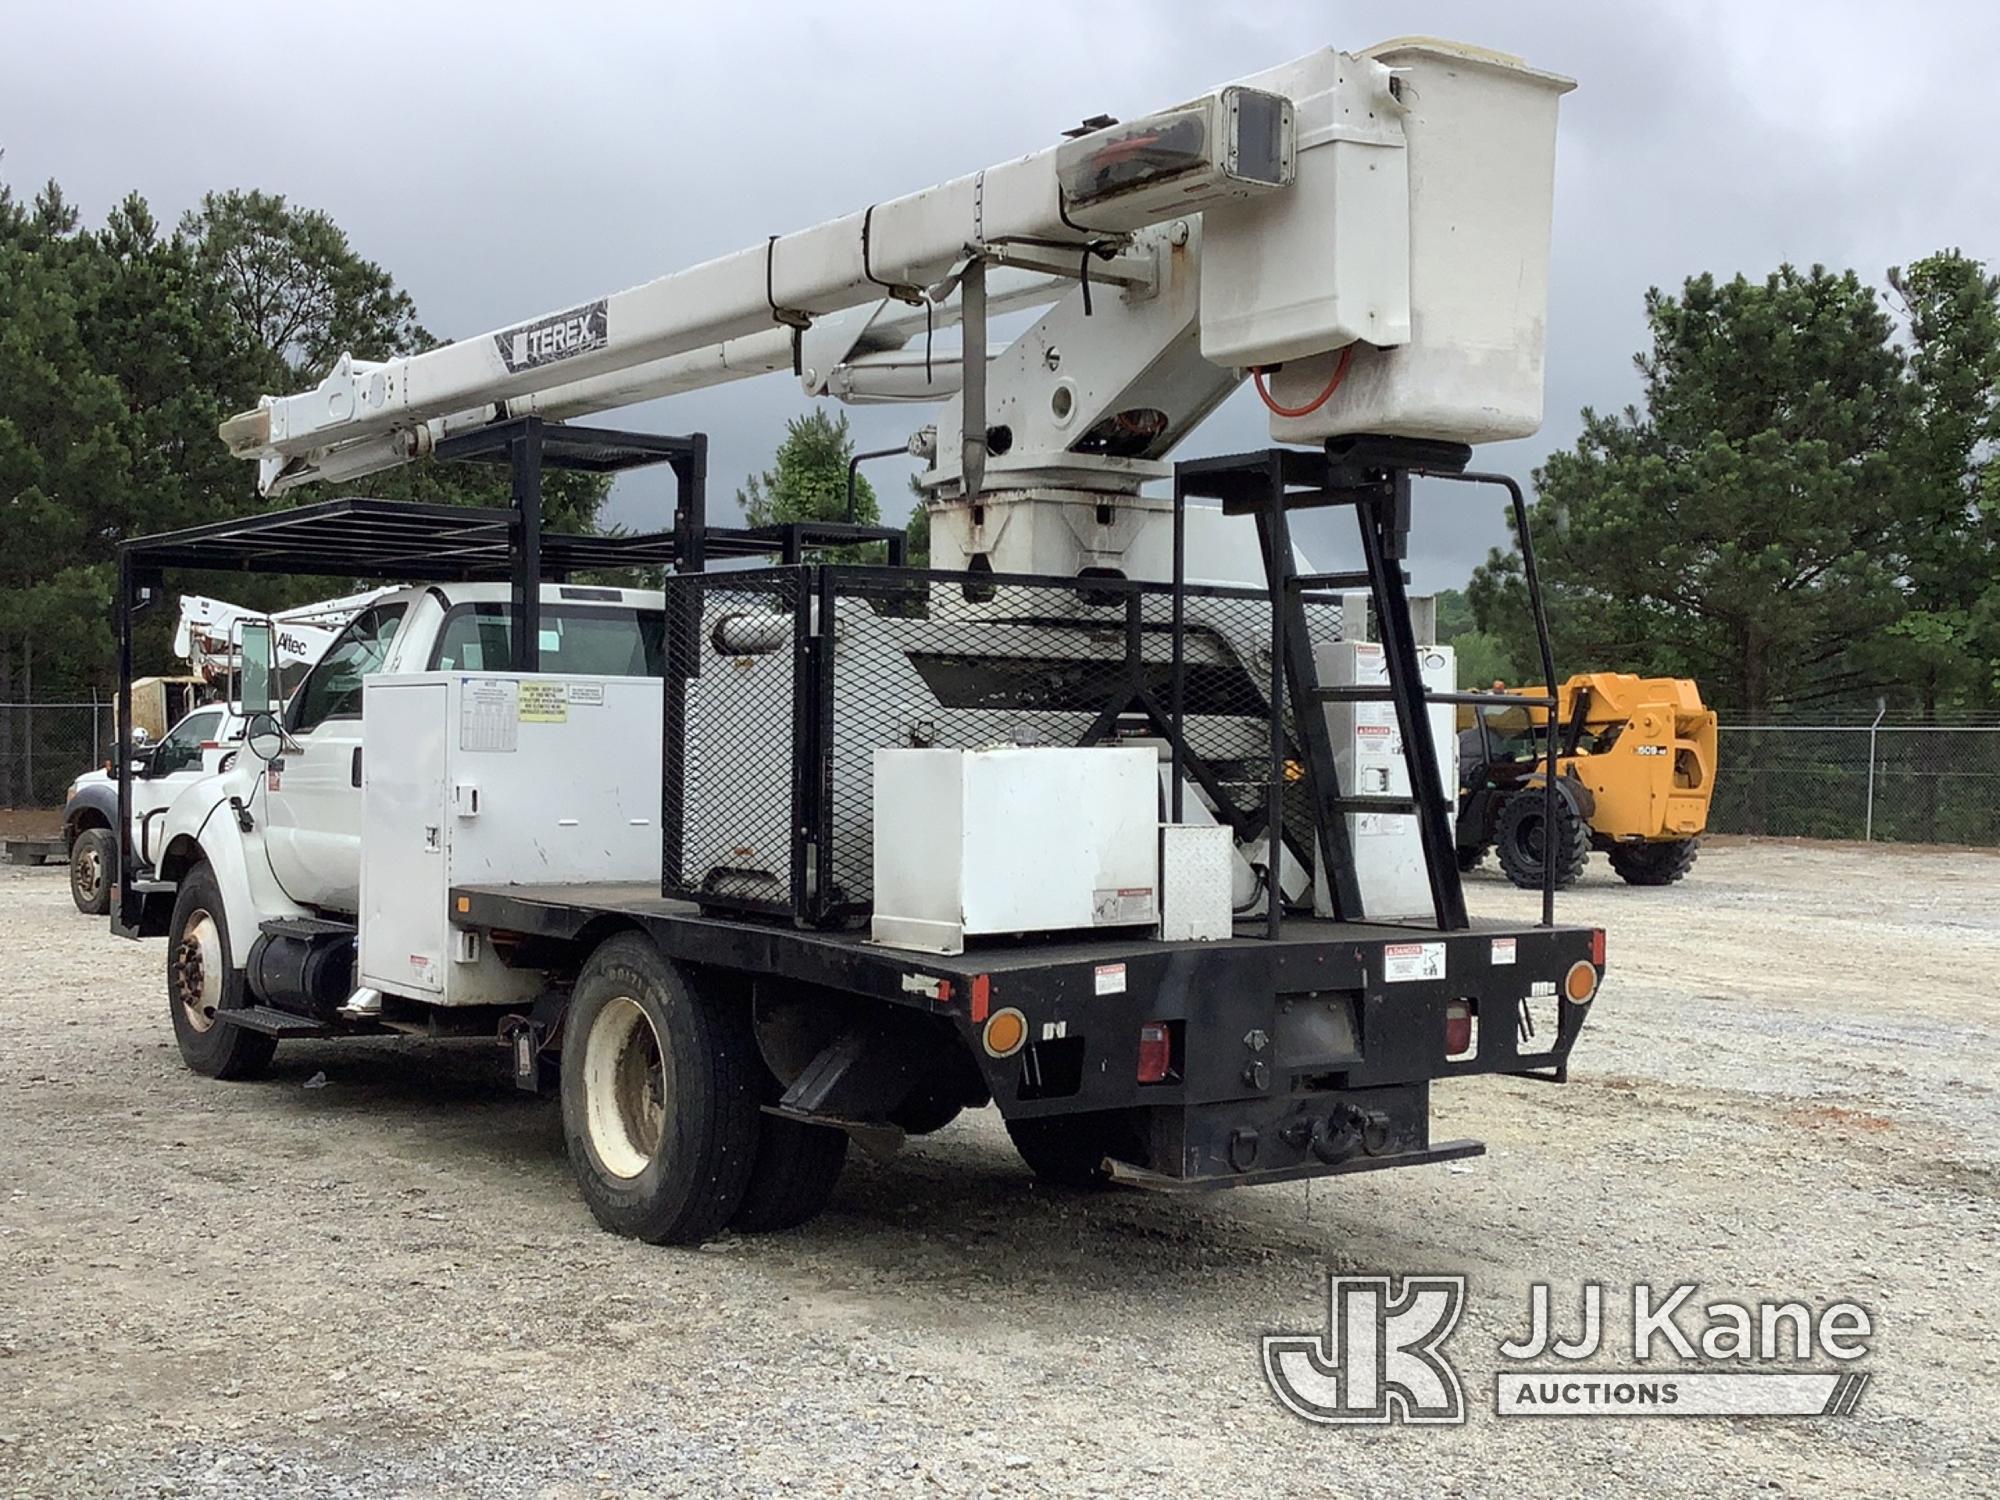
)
(307, 928)
(272, 1022)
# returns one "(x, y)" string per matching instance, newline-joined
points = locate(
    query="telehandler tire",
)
(660, 1079)
(202, 982)
(1519, 840)
(1654, 864)
(93, 865)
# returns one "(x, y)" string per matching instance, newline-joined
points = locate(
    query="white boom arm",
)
(202, 638)
(1318, 194)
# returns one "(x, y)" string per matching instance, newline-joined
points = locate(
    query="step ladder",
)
(1371, 475)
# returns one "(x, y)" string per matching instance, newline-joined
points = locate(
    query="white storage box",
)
(481, 778)
(972, 842)
(1368, 754)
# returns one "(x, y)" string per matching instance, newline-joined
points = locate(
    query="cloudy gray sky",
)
(505, 158)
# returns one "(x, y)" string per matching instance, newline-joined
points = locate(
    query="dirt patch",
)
(30, 822)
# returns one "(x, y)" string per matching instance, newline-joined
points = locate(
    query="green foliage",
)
(918, 528)
(1791, 514)
(121, 349)
(808, 480)
(1483, 656)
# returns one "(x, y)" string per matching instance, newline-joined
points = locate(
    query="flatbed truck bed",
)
(1341, 1022)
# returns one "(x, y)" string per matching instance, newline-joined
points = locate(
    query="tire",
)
(1654, 864)
(93, 865)
(659, 1096)
(1068, 1151)
(1518, 840)
(793, 1177)
(1471, 859)
(926, 1111)
(202, 982)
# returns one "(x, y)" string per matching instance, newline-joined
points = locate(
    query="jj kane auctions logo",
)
(1381, 1358)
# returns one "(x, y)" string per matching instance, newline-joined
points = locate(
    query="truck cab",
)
(310, 799)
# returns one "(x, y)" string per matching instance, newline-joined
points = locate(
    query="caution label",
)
(543, 703)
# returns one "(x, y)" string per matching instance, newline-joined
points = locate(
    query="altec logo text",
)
(1381, 1358)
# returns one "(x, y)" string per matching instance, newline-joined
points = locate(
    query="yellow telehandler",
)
(1635, 768)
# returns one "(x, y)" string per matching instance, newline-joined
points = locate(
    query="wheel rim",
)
(197, 971)
(624, 1088)
(88, 874)
(1532, 842)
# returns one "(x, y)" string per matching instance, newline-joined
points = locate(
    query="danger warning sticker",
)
(1111, 979)
(1404, 962)
(1503, 951)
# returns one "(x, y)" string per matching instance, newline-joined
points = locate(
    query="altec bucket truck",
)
(1104, 819)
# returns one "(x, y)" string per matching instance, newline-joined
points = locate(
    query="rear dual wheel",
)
(661, 1091)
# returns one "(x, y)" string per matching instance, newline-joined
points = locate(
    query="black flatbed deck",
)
(1311, 955)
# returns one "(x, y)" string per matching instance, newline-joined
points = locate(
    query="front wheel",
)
(1523, 840)
(92, 859)
(659, 1096)
(202, 983)
(1654, 864)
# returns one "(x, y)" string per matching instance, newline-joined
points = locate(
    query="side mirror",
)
(264, 737)
(255, 683)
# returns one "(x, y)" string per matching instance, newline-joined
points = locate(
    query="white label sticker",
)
(1053, 1031)
(487, 715)
(1403, 962)
(1503, 951)
(1112, 906)
(586, 692)
(1111, 979)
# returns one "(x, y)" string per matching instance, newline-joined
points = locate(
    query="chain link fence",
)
(44, 745)
(1892, 782)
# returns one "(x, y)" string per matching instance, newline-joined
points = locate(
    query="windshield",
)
(598, 642)
(332, 690)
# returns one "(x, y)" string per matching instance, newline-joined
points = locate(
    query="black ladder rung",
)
(1374, 804)
(1356, 692)
(1358, 579)
(1495, 700)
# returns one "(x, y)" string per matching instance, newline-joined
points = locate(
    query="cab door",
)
(312, 793)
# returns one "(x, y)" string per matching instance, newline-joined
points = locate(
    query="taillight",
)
(1156, 1052)
(1457, 1028)
(1597, 946)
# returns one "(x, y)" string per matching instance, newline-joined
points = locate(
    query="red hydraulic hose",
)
(1339, 374)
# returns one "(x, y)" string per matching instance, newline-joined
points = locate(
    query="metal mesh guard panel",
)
(728, 779)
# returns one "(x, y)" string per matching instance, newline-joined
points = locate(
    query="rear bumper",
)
(1161, 1182)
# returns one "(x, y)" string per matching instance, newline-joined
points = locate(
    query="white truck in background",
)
(203, 740)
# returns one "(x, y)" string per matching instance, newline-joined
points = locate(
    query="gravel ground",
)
(386, 1285)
